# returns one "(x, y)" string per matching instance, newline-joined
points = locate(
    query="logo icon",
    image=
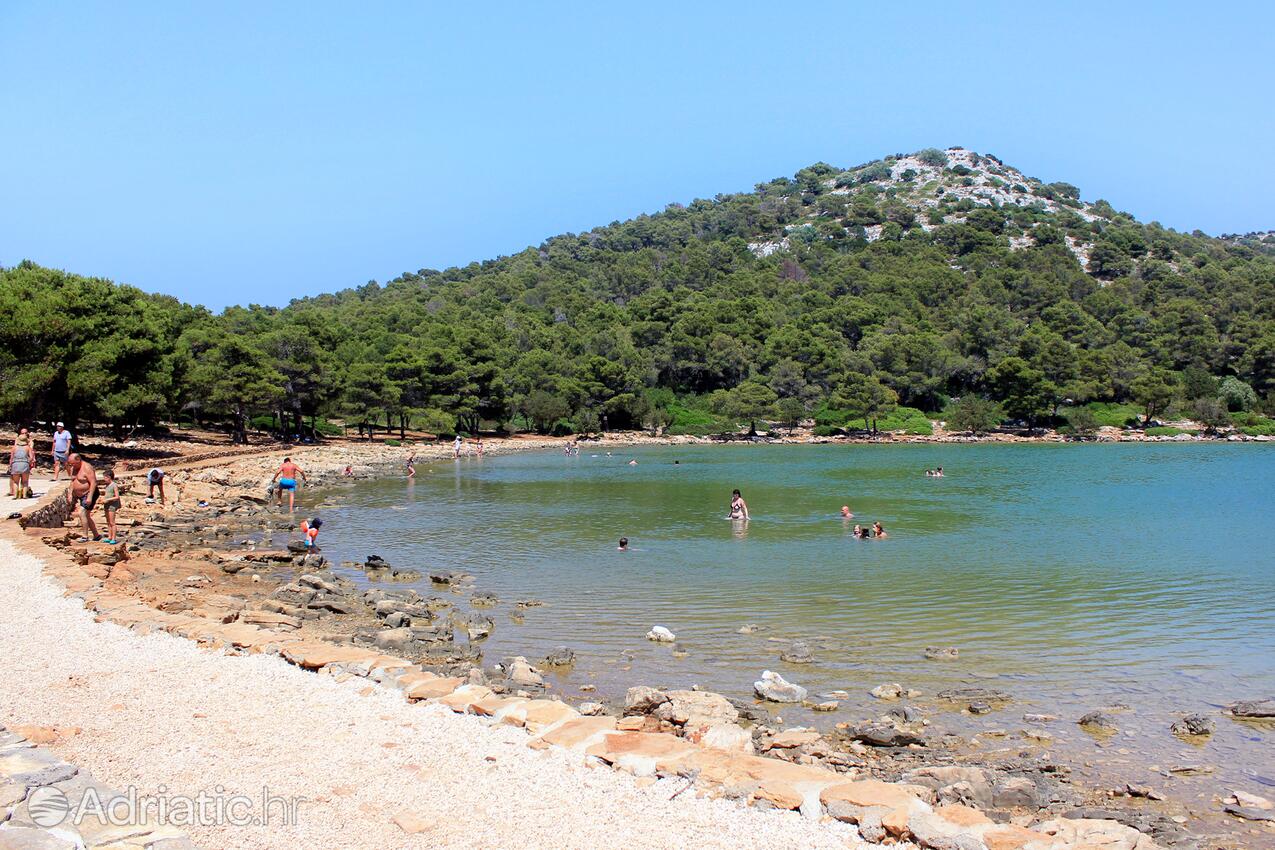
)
(48, 806)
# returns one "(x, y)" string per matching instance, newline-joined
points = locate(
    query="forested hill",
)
(906, 281)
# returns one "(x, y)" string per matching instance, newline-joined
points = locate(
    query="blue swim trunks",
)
(287, 483)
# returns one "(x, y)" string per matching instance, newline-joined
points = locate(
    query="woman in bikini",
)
(738, 507)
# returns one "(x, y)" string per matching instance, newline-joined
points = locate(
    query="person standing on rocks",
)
(83, 493)
(110, 504)
(61, 449)
(287, 478)
(21, 459)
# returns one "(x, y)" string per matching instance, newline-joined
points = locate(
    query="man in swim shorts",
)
(287, 478)
(61, 448)
(82, 493)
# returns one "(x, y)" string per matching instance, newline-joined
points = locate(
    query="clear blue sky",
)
(238, 152)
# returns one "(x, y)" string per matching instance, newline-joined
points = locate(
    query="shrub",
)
(909, 420)
(1082, 421)
(972, 413)
(826, 431)
(1114, 415)
(392, 442)
(1236, 394)
(875, 171)
(1259, 430)
(932, 156)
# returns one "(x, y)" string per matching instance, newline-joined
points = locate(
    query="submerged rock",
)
(560, 657)
(1252, 708)
(967, 695)
(798, 653)
(942, 652)
(1098, 720)
(773, 687)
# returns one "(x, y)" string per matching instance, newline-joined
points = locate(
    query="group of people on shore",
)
(22, 459)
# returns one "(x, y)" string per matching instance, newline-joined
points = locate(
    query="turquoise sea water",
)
(1071, 576)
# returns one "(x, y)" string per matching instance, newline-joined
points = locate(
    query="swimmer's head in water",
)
(845, 510)
(624, 542)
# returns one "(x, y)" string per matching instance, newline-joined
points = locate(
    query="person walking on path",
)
(83, 493)
(110, 504)
(61, 449)
(287, 478)
(21, 459)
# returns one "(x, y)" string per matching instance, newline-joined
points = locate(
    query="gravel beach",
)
(157, 711)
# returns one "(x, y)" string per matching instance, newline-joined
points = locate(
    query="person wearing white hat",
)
(61, 448)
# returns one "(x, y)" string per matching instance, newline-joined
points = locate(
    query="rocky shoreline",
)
(206, 567)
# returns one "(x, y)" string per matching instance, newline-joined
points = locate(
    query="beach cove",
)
(702, 646)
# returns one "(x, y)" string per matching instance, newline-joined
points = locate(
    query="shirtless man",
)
(82, 495)
(287, 478)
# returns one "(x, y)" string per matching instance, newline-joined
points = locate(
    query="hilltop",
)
(941, 283)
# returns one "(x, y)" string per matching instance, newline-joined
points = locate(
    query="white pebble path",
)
(156, 710)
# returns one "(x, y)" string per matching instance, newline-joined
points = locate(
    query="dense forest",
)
(935, 284)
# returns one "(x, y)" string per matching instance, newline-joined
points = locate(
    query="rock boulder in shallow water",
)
(891, 690)
(560, 657)
(1193, 725)
(883, 735)
(773, 687)
(659, 634)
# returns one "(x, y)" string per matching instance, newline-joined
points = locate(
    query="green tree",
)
(866, 398)
(1155, 390)
(1026, 393)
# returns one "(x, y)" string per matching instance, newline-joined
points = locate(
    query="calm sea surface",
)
(1071, 577)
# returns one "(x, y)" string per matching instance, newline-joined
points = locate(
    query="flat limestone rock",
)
(579, 733)
(432, 688)
(642, 753)
(463, 697)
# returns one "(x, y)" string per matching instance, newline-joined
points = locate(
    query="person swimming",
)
(845, 512)
(878, 530)
(859, 532)
(624, 545)
(738, 507)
